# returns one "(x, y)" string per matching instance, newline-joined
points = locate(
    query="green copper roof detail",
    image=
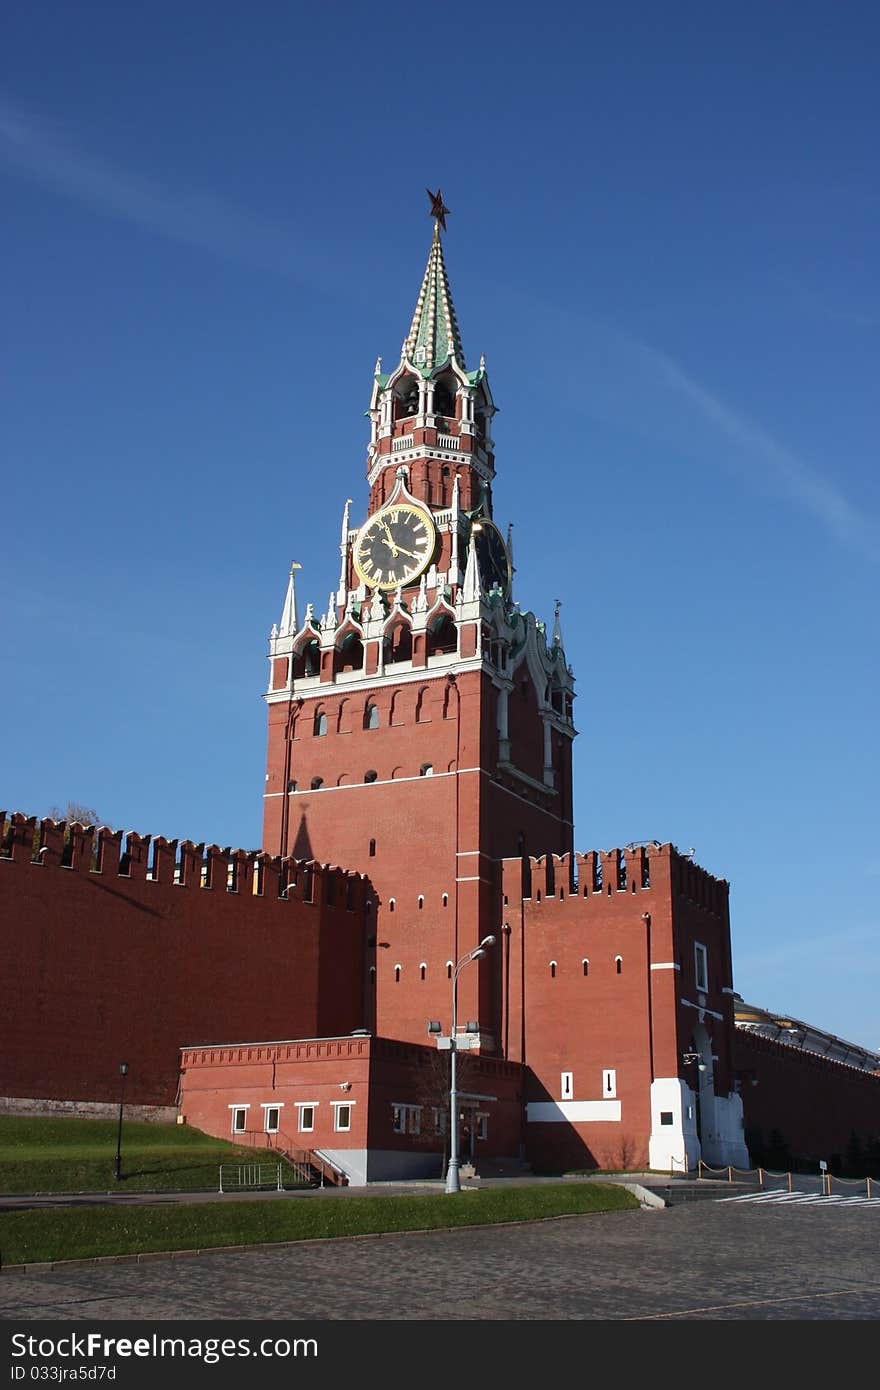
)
(433, 337)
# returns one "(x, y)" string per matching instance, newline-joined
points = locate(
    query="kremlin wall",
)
(166, 955)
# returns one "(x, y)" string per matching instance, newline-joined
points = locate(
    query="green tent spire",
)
(433, 337)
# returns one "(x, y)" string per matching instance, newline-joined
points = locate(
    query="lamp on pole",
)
(452, 1180)
(123, 1069)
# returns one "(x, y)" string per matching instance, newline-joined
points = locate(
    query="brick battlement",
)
(130, 946)
(747, 1041)
(86, 849)
(629, 870)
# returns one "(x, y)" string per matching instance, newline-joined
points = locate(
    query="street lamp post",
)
(452, 1179)
(123, 1069)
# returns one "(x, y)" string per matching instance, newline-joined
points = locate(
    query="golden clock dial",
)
(394, 545)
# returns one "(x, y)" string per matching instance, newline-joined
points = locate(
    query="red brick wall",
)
(631, 1020)
(102, 967)
(432, 836)
(380, 1073)
(813, 1104)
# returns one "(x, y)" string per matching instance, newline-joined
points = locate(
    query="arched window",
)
(371, 775)
(319, 727)
(618, 964)
(397, 970)
(426, 770)
(317, 783)
(373, 855)
(449, 970)
(391, 904)
(553, 970)
(445, 899)
(586, 964)
(423, 970)
(371, 716)
(421, 901)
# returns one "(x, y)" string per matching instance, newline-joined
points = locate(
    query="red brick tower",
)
(420, 728)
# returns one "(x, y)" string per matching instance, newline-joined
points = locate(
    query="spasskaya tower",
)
(420, 727)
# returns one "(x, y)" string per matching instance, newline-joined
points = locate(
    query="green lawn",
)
(65, 1155)
(66, 1233)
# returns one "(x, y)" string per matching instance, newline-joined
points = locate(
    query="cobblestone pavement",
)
(704, 1260)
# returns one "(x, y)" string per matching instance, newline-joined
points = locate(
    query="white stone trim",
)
(701, 1008)
(666, 965)
(571, 1111)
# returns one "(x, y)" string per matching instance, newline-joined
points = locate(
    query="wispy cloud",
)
(790, 474)
(40, 152)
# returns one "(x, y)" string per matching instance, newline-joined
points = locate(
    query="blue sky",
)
(664, 238)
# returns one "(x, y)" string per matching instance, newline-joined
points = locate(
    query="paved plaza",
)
(706, 1260)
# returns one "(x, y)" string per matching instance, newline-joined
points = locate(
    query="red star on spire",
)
(438, 208)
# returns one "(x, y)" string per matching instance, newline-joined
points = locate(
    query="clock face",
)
(394, 546)
(492, 555)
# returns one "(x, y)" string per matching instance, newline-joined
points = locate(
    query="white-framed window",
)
(609, 1084)
(306, 1115)
(271, 1117)
(701, 967)
(406, 1119)
(342, 1115)
(238, 1116)
(439, 1120)
(566, 1085)
(482, 1125)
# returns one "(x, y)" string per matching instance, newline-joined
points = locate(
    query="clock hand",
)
(390, 540)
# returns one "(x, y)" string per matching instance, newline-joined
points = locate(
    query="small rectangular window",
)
(272, 1116)
(239, 1119)
(482, 1126)
(566, 1085)
(406, 1119)
(342, 1117)
(666, 1117)
(701, 967)
(306, 1118)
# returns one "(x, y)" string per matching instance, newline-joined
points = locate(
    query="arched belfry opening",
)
(444, 396)
(442, 635)
(406, 398)
(397, 643)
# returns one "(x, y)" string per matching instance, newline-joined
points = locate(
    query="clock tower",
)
(420, 727)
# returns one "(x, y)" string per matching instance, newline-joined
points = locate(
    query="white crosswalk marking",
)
(804, 1199)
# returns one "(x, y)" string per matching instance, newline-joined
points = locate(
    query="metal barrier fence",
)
(240, 1177)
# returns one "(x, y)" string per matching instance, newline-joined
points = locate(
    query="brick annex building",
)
(420, 736)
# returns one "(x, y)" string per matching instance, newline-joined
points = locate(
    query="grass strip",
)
(36, 1236)
(74, 1155)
